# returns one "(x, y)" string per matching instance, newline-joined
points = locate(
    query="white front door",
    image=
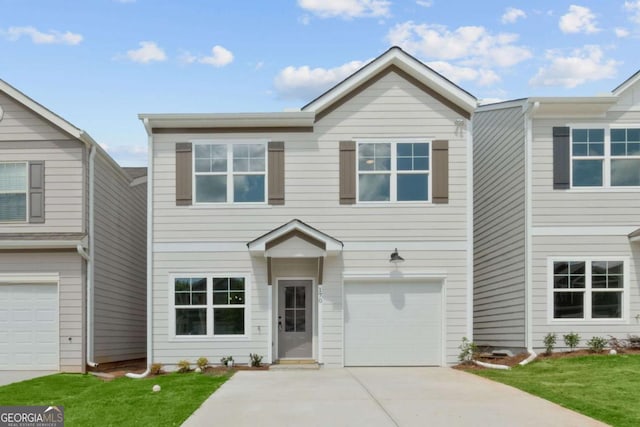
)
(295, 329)
(28, 327)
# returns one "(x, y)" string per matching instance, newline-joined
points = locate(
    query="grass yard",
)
(603, 387)
(89, 401)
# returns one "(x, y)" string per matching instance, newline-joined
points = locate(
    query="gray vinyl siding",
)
(70, 268)
(120, 265)
(21, 124)
(576, 207)
(63, 183)
(499, 227)
(390, 108)
(548, 247)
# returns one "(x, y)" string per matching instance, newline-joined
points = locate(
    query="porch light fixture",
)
(396, 258)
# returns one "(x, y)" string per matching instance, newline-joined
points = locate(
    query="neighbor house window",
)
(625, 157)
(209, 305)
(588, 289)
(230, 172)
(393, 171)
(605, 157)
(13, 192)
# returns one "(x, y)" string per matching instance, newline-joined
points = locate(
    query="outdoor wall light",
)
(395, 257)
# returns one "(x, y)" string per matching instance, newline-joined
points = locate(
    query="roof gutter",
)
(149, 130)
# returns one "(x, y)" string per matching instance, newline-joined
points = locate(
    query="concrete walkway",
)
(376, 397)
(8, 377)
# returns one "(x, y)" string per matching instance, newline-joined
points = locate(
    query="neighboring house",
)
(271, 233)
(72, 245)
(557, 217)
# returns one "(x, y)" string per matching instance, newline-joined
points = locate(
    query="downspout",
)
(88, 257)
(149, 254)
(528, 123)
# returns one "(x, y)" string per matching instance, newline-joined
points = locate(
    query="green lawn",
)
(606, 388)
(89, 401)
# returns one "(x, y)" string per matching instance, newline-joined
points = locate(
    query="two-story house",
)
(72, 245)
(283, 234)
(557, 217)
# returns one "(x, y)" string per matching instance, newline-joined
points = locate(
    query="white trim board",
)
(584, 231)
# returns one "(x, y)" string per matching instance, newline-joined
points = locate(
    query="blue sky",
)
(98, 63)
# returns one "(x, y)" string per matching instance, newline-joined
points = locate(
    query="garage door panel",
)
(393, 324)
(29, 321)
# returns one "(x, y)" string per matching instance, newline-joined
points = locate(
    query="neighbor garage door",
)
(28, 327)
(393, 324)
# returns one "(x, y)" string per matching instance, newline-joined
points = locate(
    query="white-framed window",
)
(13, 191)
(394, 171)
(230, 172)
(605, 157)
(209, 305)
(588, 289)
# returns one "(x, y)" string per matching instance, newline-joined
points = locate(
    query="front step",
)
(294, 364)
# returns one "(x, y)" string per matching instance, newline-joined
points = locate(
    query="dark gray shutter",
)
(275, 185)
(561, 158)
(347, 172)
(440, 172)
(184, 173)
(36, 192)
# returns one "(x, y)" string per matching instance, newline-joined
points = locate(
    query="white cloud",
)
(470, 45)
(304, 19)
(457, 74)
(306, 83)
(491, 100)
(346, 9)
(38, 37)
(148, 52)
(579, 19)
(634, 8)
(581, 66)
(219, 57)
(425, 3)
(622, 32)
(511, 15)
(127, 155)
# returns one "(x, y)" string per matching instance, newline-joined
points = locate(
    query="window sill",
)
(208, 338)
(579, 322)
(392, 204)
(230, 206)
(602, 190)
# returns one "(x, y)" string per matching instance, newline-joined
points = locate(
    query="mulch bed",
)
(515, 360)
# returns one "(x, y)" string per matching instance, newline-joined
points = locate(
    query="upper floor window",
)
(605, 159)
(230, 172)
(393, 171)
(13, 192)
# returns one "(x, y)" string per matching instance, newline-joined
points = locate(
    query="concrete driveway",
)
(8, 377)
(376, 397)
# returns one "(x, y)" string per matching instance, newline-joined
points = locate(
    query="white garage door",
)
(28, 327)
(393, 324)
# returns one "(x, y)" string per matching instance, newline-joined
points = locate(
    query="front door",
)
(294, 319)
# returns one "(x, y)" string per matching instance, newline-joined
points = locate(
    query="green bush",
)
(596, 344)
(256, 360)
(468, 350)
(571, 340)
(184, 366)
(549, 342)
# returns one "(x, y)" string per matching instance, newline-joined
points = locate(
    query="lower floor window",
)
(209, 305)
(585, 289)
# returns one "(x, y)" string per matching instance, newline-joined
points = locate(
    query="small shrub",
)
(184, 366)
(549, 343)
(156, 368)
(468, 350)
(618, 344)
(596, 344)
(634, 341)
(571, 340)
(202, 363)
(256, 360)
(226, 359)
